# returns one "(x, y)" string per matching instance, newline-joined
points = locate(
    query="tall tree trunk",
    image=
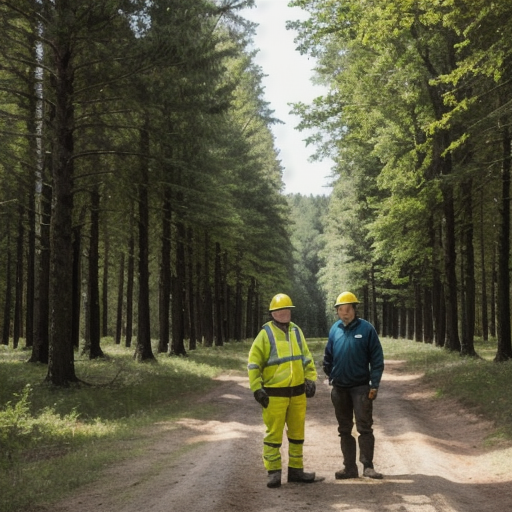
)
(104, 288)
(468, 258)
(450, 291)
(504, 351)
(494, 280)
(61, 366)
(485, 305)
(143, 350)
(35, 129)
(238, 314)
(385, 317)
(249, 315)
(120, 294)
(438, 306)
(31, 270)
(257, 316)
(40, 348)
(410, 323)
(219, 298)
(6, 330)
(428, 323)
(208, 299)
(375, 315)
(226, 294)
(418, 314)
(129, 289)
(191, 291)
(395, 322)
(178, 296)
(77, 279)
(403, 322)
(17, 331)
(199, 313)
(93, 280)
(164, 292)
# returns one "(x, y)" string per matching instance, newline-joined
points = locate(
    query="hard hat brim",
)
(279, 309)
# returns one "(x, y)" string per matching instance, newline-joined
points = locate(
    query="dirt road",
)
(430, 451)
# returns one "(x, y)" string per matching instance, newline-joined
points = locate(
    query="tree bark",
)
(178, 296)
(164, 291)
(143, 350)
(219, 298)
(450, 290)
(249, 315)
(485, 304)
(61, 366)
(468, 267)
(504, 351)
(410, 323)
(17, 331)
(238, 314)
(104, 288)
(418, 314)
(129, 288)
(190, 291)
(93, 280)
(494, 279)
(208, 299)
(120, 293)
(6, 330)
(428, 323)
(403, 322)
(77, 279)
(40, 348)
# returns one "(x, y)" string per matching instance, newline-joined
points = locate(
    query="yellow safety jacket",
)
(280, 360)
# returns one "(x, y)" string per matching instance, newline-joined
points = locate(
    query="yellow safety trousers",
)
(281, 411)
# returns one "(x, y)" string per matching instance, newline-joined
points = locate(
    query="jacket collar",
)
(351, 325)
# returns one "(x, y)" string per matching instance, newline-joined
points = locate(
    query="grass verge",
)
(54, 440)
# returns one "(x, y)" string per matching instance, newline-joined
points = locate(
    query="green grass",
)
(54, 440)
(479, 383)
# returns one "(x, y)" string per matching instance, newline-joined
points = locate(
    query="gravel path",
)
(431, 452)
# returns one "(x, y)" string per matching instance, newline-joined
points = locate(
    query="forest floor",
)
(431, 450)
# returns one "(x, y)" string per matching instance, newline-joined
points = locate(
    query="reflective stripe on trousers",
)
(283, 411)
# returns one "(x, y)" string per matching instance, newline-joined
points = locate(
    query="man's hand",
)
(261, 397)
(310, 388)
(372, 395)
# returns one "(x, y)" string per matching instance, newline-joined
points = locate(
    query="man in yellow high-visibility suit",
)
(282, 376)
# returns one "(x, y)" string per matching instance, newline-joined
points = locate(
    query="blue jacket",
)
(353, 355)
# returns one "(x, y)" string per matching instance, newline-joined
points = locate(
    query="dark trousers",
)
(350, 403)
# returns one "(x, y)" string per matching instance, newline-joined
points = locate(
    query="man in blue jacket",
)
(354, 362)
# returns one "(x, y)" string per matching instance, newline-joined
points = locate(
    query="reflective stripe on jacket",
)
(279, 359)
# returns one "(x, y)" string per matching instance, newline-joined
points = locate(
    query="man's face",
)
(346, 313)
(282, 316)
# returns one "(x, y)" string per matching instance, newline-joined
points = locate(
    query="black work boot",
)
(346, 473)
(274, 478)
(298, 475)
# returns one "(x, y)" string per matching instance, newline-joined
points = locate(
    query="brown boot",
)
(274, 479)
(371, 473)
(298, 475)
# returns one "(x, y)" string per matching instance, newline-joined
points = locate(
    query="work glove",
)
(310, 388)
(372, 395)
(261, 397)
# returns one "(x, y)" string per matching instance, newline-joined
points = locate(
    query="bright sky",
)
(288, 80)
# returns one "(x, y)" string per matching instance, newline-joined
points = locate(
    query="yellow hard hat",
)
(346, 298)
(280, 301)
